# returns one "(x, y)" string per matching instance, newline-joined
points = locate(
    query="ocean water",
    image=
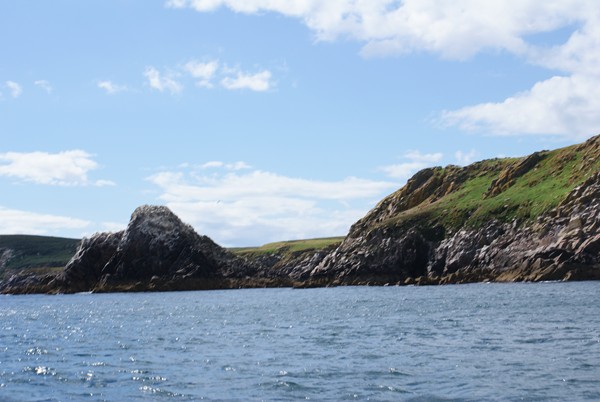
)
(496, 342)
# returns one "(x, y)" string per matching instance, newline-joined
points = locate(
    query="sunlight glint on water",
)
(471, 342)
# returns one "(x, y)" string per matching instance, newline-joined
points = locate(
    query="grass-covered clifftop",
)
(34, 253)
(288, 254)
(501, 189)
(288, 247)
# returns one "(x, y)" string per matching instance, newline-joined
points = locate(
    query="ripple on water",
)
(474, 342)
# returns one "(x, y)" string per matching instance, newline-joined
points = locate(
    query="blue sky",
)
(263, 120)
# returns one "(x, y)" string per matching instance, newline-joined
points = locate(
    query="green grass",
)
(536, 192)
(37, 252)
(292, 246)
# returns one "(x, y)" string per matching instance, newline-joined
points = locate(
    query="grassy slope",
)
(37, 252)
(288, 247)
(536, 192)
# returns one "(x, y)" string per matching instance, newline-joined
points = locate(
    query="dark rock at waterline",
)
(29, 283)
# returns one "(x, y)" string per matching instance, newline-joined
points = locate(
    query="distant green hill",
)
(37, 253)
(288, 247)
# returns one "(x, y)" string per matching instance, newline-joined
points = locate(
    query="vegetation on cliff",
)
(290, 246)
(530, 218)
(495, 189)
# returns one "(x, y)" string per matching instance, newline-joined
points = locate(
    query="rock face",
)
(403, 241)
(84, 271)
(157, 251)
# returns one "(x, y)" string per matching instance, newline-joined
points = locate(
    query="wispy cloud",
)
(242, 207)
(203, 72)
(68, 168)
(565, 105)
(45, 85)
(13, 221)
(465, 158)
(104, 183)
(258, 82)
(415, 161)
(162, 82)
(110, 87)
(239, 165)
(15, 88)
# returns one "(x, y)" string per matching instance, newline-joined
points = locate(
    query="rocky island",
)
(535, 218)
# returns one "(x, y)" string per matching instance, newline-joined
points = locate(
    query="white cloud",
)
(457, 29)
(104, 183)
(15, 89)
(45, 85)
(68, 168)
(564, 105)
(417, 156)
(256, 82)
(14, 221)
(202, 72)
(240, 165)
(204, 75)
(162, 82)
(256, 207)
(110, 87)
(213, 164)
(466, 158)
(416, 161)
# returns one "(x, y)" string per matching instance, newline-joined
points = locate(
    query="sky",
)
(265, 120)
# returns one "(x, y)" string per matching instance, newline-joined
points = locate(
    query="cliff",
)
(528, 219)
(534, 218)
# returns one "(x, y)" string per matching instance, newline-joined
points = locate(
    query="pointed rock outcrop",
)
(157, 251)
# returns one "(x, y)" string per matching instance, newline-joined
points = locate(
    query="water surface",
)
(496, 342)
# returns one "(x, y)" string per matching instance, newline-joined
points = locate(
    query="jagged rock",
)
(28, 283)
(396, 257)
(157, 251)
(84, 271)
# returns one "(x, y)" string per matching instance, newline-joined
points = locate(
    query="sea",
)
(477, 342)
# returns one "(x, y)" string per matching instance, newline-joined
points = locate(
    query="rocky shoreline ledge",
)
(535, 218)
